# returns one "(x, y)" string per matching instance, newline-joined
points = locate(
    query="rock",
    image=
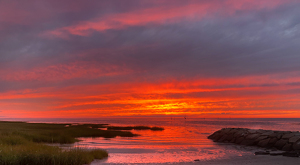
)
(279, 136)
(216, 137)
(261, 131)
(263, 143)
(291, 154)
(232, 140)
(294, 139)
(248, 142)
(287, 147)
(239, 140)
(261, 138)
(287, 136)
(268, 133)
(233, 131)
(262, 153)
(227, 130)
(296, 145)
(276, 153)
(239, 133)
(222, 133)
(273, 135)
(223, 138)
(212, 136)
(280, 143)
(252, 131)
(283, 140)
(273, 141)
(229, 137)
(252, 136)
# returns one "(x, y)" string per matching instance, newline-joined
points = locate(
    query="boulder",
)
(296, 145)
(232, 140)
(233, 131)
(262, 153)
(287, 136)
(273, 141)
(280, 143)
(261, 138)
(223, 138)
(291, 154)
(212, 136)
(239, 140)
(216, 136)
(252, 131)
(276, 153)
(252, 136)
(229, 137)
(237, 134)
(222, 133)
(227, 130)
(263, 143)
(282, 140)
(287, 147)
(279, 136)
(294, 139)
(268, 133)
(273, 135)
(261, 131)
(248, 142)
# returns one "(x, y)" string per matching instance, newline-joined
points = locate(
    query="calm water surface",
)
(182, 141)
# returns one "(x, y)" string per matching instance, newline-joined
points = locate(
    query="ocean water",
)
(182, 141)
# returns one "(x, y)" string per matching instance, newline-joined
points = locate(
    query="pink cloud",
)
(161, 15)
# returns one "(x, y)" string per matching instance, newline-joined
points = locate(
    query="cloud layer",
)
(214, 58)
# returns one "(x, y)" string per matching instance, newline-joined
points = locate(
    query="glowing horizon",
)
(212, 59)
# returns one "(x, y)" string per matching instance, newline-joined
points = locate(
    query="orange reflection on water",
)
(180, 142)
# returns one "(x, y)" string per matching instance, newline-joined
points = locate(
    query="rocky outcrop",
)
(281, 140)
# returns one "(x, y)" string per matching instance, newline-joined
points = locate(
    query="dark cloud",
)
(248, 42)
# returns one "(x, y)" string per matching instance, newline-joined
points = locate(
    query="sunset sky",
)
(205, 58)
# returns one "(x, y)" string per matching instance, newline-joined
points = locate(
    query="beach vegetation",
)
(29, 143)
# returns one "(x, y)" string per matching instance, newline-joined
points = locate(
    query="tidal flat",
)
(26, 143)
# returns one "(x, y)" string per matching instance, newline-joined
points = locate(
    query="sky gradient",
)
(206, 58)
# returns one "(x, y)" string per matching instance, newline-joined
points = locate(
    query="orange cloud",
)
(236, 97)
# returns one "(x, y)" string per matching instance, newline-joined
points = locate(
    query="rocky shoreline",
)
(281, 140)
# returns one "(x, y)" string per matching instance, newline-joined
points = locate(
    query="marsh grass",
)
(40, 154)
(24, 143)
(54, 133)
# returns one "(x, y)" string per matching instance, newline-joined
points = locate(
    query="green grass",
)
(56, 133)
(24, 143)
(40, 154)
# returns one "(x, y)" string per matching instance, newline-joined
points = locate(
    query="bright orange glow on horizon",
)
(207, 98)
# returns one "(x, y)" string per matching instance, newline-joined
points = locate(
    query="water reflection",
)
(181, 141)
